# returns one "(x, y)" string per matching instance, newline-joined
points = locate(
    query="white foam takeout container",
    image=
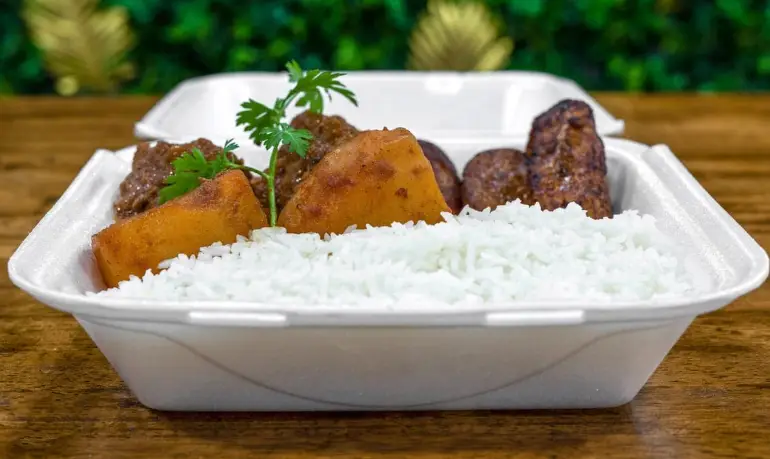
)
(252, 356)
(434, 105)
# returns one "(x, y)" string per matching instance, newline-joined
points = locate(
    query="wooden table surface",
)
(60, 398)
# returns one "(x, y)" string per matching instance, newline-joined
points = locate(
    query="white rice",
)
(508, 255)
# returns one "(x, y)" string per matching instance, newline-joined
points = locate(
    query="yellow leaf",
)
(461, 36)
(83, 47)
(496, 56)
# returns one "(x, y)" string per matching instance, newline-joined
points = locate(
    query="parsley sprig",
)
(266, 126)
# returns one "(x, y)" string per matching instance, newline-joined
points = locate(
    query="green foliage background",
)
(636, 45)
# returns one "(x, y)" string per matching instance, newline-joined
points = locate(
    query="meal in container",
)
(348, 217)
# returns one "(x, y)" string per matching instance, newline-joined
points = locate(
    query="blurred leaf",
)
(280, 15)
(727, 81)
(192, 22)
(243, 57)
(298, 27)
(9, 44)
(458, 36)
(597, 12)
(241, 30)
(736, 10)
(526, 7)
(141, 11)
(763, 64)
(5, 87)
(348, 55)
(635, 77)
(80, 43)
(666, 6)
(279, 49)
(30, 68)
(397, 10)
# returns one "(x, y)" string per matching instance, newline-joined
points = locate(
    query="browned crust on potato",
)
(217, 211)
(383, 189)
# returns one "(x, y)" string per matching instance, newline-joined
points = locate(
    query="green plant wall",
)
(635, 45)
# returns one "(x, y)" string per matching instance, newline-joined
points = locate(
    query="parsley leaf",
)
(310, 86)
(189, 168)
(297, 140)
(256, 117)
(295, 71)
(229, 147)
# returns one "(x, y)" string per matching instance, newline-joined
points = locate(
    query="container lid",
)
(432, 105)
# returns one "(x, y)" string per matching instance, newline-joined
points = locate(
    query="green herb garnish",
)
(190, 168)
(266, 127)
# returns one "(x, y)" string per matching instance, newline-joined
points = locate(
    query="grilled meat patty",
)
(567, 161)
(496, 177)
(446, 174)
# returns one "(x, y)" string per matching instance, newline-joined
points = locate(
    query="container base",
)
(190, 368)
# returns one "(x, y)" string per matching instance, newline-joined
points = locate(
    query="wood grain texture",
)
(60, 398)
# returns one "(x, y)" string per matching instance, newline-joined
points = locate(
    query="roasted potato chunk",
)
(217, 211)
(376, 178)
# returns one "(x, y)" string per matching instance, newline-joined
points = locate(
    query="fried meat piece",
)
(446, 174)
(567, 161)
(496, 177)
